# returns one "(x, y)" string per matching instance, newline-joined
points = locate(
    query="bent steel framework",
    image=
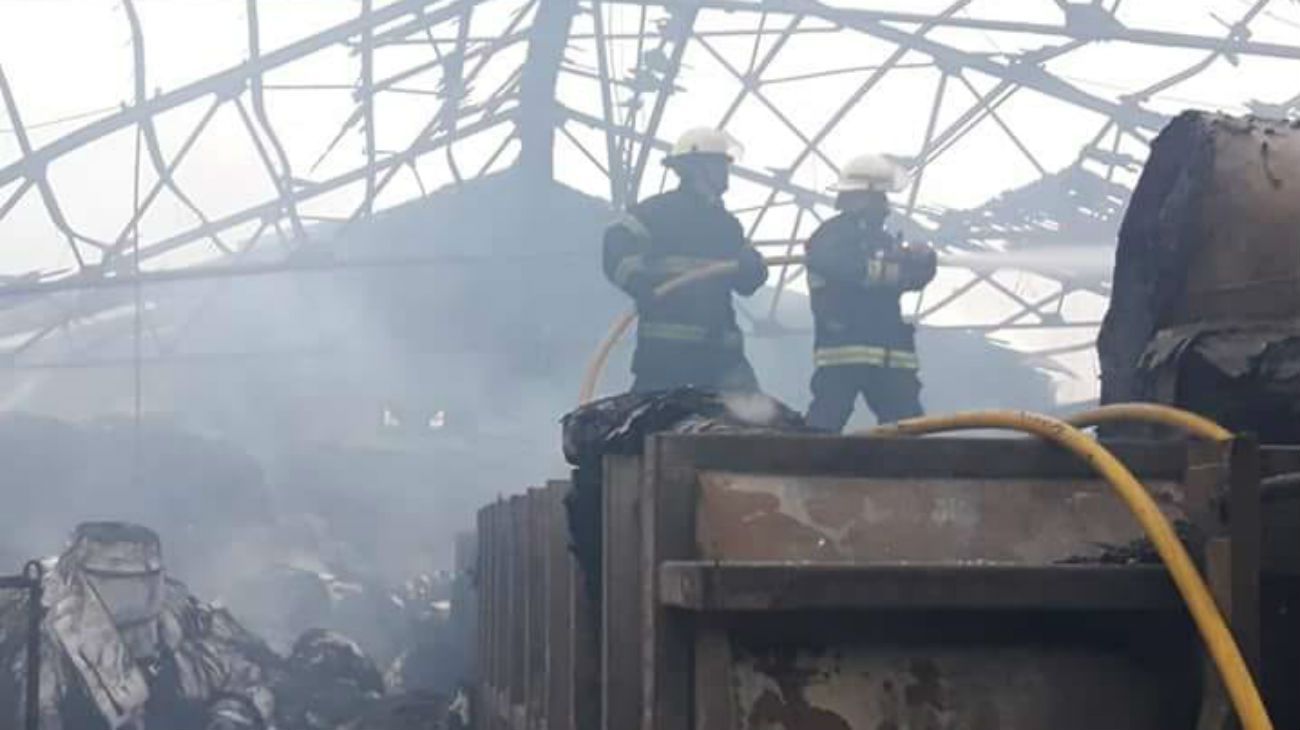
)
(604, 84)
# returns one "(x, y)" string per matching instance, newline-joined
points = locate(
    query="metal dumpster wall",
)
(784, 619)
(955, 670)
(537, 659)
(761, 554)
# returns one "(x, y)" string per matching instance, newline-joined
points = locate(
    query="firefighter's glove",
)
(905, 266)
(751, 271)
(919, 265)
(883, 269)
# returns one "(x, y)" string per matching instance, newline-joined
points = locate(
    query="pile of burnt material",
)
(122, 644)
(620, 425)
(1205, 307)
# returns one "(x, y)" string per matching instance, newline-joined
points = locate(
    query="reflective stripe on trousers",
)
(865, 355)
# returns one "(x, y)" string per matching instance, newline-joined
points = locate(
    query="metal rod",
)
(997, 118)
(42, 181)
(905, 44)
(308, 192)
(258, 97)
(757, 93)
(81, 283)
(368, 105)
(164, 171)
(283, 187)
(812, 75)
(564, 129)
(617, 187)
(758, 72)
(929, 137)
(573, 37)
(142, 206)
(687, 19)
(137, 327)
(443, 118)
(13, 199)
(855, 17)
(34, 573)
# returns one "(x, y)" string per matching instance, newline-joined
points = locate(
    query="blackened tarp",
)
(1156, 239)
(1208, 246)
(620, 425)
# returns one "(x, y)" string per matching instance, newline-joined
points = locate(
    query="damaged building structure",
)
(285, 317)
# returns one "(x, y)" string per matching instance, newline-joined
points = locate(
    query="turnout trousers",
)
(729, 373)
(892, 394)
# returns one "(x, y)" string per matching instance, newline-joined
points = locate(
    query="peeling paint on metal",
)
(770, 517)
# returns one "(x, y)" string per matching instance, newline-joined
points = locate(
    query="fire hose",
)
(1222, 648)
(1186, 421)
(596, 366)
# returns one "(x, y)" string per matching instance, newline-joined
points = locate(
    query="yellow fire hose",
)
(596, 367)
(1186, 421)
(1196, 596)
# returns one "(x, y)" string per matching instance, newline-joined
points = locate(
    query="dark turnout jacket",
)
(855, 296)
(656, 241)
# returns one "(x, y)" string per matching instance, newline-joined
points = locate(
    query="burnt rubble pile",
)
(1204, 302)
(264, 555)
(1141, 551)
(620, 425)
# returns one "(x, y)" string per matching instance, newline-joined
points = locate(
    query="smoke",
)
(753, 409)
(350, 424)
(1087, 261)
(333, 429)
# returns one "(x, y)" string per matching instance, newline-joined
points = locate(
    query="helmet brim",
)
(854, 188)
(672, 161)
(733, 152)
(896, 185)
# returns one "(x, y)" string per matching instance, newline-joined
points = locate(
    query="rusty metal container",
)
(793, 582)
(818, 583)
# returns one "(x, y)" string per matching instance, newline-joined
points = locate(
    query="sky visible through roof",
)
(70, 62)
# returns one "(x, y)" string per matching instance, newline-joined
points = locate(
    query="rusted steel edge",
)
(30, 580)
(709, 586)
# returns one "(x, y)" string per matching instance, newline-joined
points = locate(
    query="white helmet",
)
(704, 141)
(871, 172)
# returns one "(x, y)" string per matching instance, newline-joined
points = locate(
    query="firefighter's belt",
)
(866, 355)
(678, 332)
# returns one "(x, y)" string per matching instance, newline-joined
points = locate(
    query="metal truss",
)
(591, 92)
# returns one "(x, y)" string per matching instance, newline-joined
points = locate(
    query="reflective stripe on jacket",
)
(678, 332)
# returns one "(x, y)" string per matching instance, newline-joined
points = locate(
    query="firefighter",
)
(688, 337)
(856, 273)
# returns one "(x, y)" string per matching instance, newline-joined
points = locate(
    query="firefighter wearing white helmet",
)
(871, 173)
(688, 337)
(856, 273)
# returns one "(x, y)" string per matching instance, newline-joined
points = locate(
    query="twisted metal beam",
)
(1110, 32)
(34, 161)
(150, 134)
